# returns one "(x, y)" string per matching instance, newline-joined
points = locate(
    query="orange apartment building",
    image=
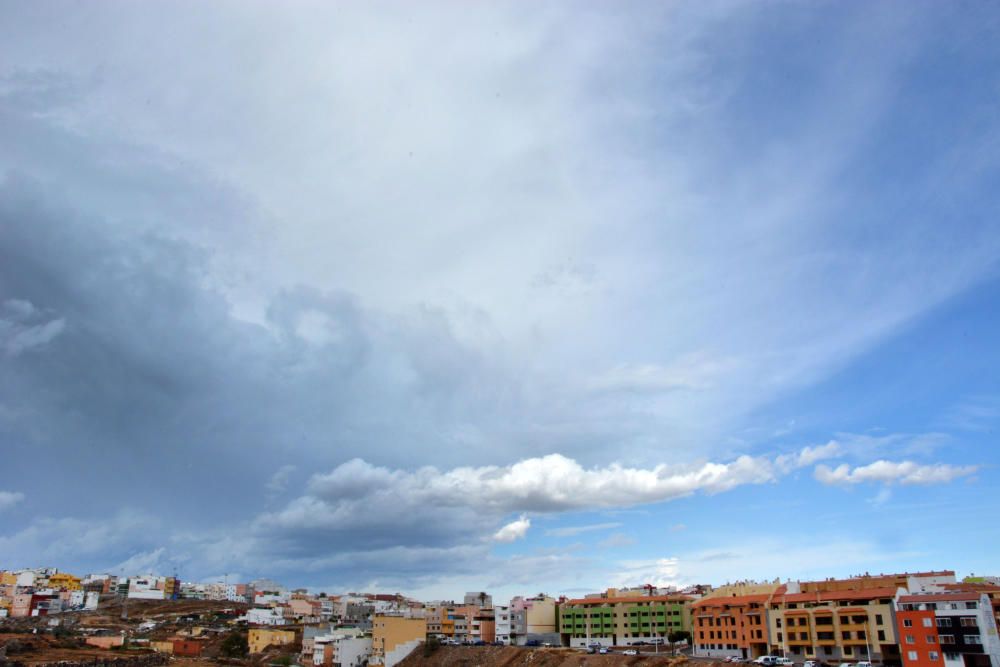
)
(730, 626)
(917, 630)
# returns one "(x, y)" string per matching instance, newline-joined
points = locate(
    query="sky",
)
(457, 296)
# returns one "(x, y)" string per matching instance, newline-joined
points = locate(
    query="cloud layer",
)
(393, 277)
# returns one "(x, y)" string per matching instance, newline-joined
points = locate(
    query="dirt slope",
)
(509, 656)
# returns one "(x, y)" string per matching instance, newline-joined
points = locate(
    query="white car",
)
(786, 662)
(630, 651)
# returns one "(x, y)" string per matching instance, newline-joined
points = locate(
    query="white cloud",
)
(570, 531)
(515, 530)
(10, 498)
(888, 472)
(544, 484)
(278, 482)
(659, 572)
(808, 455)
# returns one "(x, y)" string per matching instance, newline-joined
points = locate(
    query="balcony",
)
(853, 627)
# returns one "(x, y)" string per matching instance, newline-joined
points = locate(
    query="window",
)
(907, 623)
(944, 622)
(910, 639)
(946, 639)
(933, 655)
(969, 623)
(972, 605)
(881, 635)
(927, 622)
(878, 619)
(931, 639)
(973, 639)
(777, 622)
(912, 656)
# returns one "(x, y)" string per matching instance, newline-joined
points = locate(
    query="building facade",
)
(394, 637)
(622, 621)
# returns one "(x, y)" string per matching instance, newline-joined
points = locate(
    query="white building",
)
(269, 616)
(501, 614)
(346, 648)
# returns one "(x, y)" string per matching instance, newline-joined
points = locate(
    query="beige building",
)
(260, 638)
(834, 626)
(394, 637)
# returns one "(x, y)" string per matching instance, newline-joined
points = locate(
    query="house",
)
(260, 638)
(271, 616)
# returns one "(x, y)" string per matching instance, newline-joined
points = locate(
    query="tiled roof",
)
(631, 599)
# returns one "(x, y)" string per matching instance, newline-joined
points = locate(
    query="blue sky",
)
(455, 297)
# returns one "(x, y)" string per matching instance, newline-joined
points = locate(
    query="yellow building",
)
(834, 626)
(394, 637)
(162, 646)
(260, 638)
(64, 581)
(8, 579)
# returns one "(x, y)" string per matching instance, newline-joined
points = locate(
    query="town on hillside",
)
(918, 619)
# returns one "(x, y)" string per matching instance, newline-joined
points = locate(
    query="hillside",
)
(509, 656)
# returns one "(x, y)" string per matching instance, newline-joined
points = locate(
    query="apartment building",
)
(501, 619)
(622, 621)
(843, 625)
(394, 637)
(949, 629)
(533, 619)
(731, 626)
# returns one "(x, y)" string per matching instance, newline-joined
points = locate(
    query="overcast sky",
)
(449, 296)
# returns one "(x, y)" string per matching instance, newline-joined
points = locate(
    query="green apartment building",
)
(622, 621)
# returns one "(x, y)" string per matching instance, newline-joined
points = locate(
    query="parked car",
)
(630, 651)
(602, 650)
(810, 663)
(785, 662)
(863, 663)
(767, 660)
(532, 642)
